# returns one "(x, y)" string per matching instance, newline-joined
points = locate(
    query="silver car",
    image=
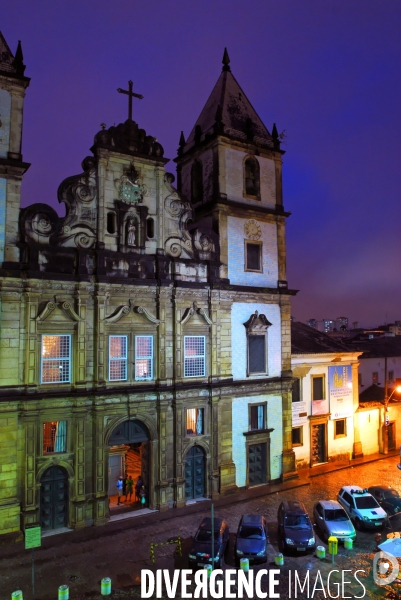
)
(331, 519)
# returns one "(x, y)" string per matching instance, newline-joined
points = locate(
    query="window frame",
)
(190, 357)
(120, 358)
(297, 381)
(65, 436)
(137, 358)
(247, 194)
(301, 436)
(195, 433)
(44, 360)
(340, 435)
(257, 405)
(313, 377)
(375, 377)
(256, 373)
(253, 243)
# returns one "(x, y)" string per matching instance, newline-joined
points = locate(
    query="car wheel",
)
(281, 545)
(358, 524)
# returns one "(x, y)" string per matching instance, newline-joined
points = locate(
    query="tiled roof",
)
(306, 340)
(374, 393)
(6, 56)
(377, 347)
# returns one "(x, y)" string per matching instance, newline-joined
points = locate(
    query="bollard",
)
(321, 552)
(209, 570)
(63, 592)
(348, 543)
(244, 564)
(105, 586)
(17, 595)
(279, 559)
(333, 547)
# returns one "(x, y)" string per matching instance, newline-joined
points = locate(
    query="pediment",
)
(58, 311)
(196, 315)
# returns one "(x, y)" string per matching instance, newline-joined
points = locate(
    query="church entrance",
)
(195, 473)
(54, 498)
(129, 455)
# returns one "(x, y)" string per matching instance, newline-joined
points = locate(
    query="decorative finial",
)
(274, 132)
(226, 61)
(182, 140)
(18, 62)
(103, 126)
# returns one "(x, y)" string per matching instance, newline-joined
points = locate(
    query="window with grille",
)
(143, 357)
(56, 359)
(257, 417)
(118, 357)
(195, 421)
(253, 256)
(391, 375)
(318, 388)
(256, 354)
(194, 356)
(54, 437)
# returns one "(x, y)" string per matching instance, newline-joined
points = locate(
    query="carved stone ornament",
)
(142, 311)
(257, 324)
(129, 187)
(189, 312)
(252, 230)
(64, 306)
(118, 314)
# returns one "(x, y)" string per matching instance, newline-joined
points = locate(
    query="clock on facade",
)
(252, 229)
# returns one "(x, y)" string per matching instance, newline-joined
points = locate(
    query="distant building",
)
(329, 325)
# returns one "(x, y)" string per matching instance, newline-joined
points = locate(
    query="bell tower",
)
(13, 84)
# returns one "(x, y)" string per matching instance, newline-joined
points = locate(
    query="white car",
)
(362, 508)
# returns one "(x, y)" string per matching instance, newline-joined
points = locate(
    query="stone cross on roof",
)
(131, 95)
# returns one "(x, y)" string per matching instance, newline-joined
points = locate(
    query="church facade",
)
(149, 328)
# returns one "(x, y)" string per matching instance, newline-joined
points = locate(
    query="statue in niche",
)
(131, 233)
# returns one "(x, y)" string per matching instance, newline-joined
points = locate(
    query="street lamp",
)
(386, 419)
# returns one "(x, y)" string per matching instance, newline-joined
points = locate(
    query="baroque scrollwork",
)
(189, 312)
(118, 314)
(142, 311)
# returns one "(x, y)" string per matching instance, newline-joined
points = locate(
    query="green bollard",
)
(105, 587)
(63, 592)
(17, 595)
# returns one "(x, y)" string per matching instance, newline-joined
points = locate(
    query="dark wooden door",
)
(54, 498)
(392, 444)
(257, 464)
(318, 444)
(194, 473)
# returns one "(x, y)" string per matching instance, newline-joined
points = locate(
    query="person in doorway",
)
(130, 487)
(125, 486)
(138, 486)
(142, 495)
(120, 487)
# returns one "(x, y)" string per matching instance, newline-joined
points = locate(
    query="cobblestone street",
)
(120, 550)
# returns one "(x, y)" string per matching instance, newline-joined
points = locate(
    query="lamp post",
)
(386, 416)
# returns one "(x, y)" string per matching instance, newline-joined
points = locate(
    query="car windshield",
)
(391, 494)
(251, 533)
(337, 514)
(297, 521)
(366, 502)
(205, 535)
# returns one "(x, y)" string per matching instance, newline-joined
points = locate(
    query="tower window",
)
(253, 256)
(197, 182)
(252, 177)
(111, 222)
(150, 229)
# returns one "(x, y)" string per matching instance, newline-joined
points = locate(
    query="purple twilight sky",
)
(327, 72)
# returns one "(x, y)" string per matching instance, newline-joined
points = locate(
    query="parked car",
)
(361, 507)
(331, 519)
(201, 550)
(388, 498)
(252, 539)
(294, 528)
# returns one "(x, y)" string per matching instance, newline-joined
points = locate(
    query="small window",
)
(391, 375)
(54, 437)
(375, 377)
(150, 229)
(256, 354)
(118, 358)
(340, 428)
(197, 182)
(143, 357)
(257, 417)
(253, 256)
(195, 421)
(111, 222)
(194, 356)
(297, 437)
(252, 185)
(56, 359)
(318, 388)
(296, 390)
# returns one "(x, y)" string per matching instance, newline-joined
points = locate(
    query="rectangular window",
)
(194, 356)
(297, 437)
(54, 437)
(253, 256)
(318, 388)
(118, 357)
(256, 354)
(296, 390)
(143, 357)
(375, 377)
(391, 375)
(56, 359)
(195, 421)
(340, 429)
(257, 417)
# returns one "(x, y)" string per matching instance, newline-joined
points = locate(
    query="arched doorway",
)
(54, 498)
(129, 455)
(195, 473)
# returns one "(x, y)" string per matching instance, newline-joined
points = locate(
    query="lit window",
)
(56, 358)
(194, 356)
(318, 388)
(117, 358)
(340, 428)
(258, 417)
(375, 377)
(297, 436)
(54, 437)
(143, 357)
(195, 421)
(253, 256)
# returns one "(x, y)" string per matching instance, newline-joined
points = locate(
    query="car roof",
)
(250, 519)
(355, 490)
(207, 523)
(330, 504)
(294, 507)
(380, 487)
